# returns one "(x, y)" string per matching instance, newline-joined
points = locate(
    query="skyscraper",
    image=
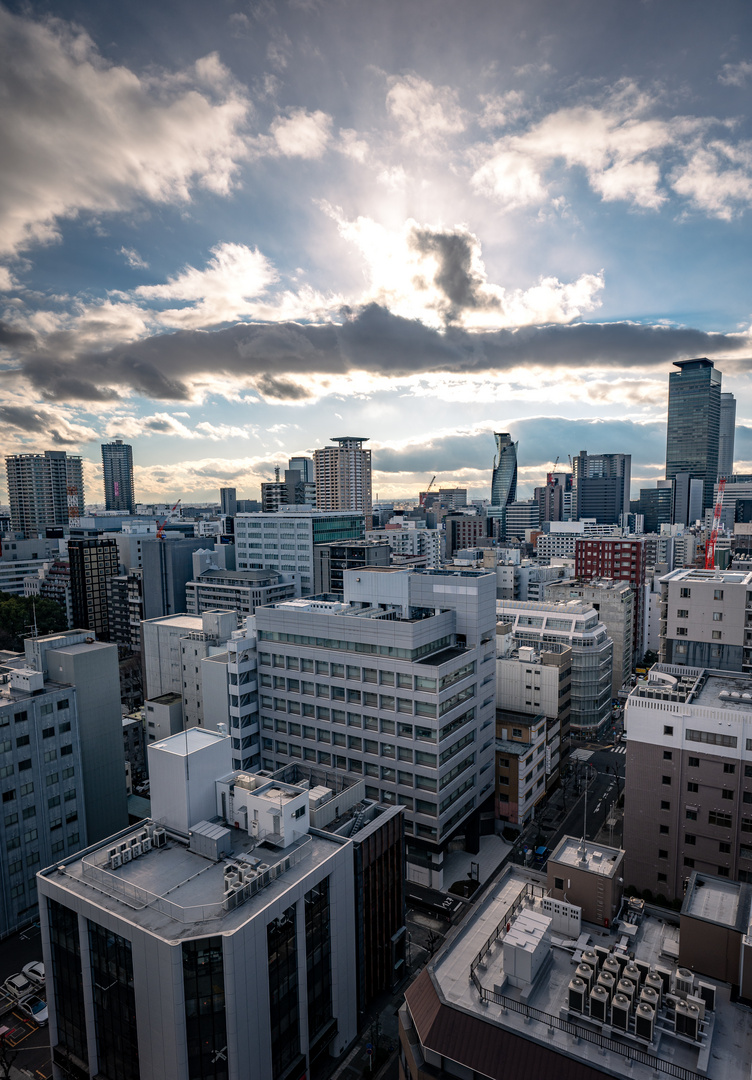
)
(92, 562)
(726, 435)
(343, 476)
(600, 486)
(504, 478)
(44, 489)
(229, 501)
(117, 461)
(694, 416)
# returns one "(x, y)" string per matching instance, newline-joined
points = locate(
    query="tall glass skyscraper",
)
(504, 479)
(726, 435)
(694, 416)
(117, 461)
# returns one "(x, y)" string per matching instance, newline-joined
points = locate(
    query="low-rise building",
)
(241, 591)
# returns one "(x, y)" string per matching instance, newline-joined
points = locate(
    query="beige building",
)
(343, 476)
(589, 875)
(704, 617)
(688, 790)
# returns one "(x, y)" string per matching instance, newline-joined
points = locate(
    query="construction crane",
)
(710, 545)
(424, 493)
(550, 477)
(161, 528)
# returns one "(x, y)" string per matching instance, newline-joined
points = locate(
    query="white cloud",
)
(717, 178)
(501, 109)
(352, 146)
(133, 258)
(80, 134)
(302, 134)
(424, 111)
(735, 74)
(6, 279)
(221, 292)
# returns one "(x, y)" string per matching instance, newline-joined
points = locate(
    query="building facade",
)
(615, 603)
(395, 683)
(622, 559)
(694, 417)
(331, 560)
(703, 619)
(343, 476)
(44, 489)
(92, 563)
(241, 591)
(600, 486)
(228, 501)
(688, 790)
(117, 464)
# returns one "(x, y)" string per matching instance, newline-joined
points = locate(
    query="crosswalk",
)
(619, 750)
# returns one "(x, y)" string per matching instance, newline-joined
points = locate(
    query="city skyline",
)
(234, 236)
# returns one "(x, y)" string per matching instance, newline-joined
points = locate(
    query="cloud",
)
(133, 258)
(82, 135)
(735, 74)
(438, 276)
(55, 427)
(219, 293)
(302, 134)
(424, 111)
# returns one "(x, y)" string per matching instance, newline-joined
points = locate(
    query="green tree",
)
(17, 615)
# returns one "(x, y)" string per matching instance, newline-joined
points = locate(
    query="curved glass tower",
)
(504, 479)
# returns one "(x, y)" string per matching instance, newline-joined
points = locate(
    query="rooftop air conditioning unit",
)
(684, 982)
(645, 1022)
(707, 993)
(590, 957)
(160, 837)
(116, 860)
(127, 854)
(586, 973)
(620, 1011)
(687, 1020)
(577, 994)
(607, 981)
(627, 989)
(146, 844)
(136, 849)
(633, 973)
(599, 1004)
(650, 997)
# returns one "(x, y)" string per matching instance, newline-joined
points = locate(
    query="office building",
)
(704, 617)
(521, 518)
(303, 465)
(244, 919)
(117, 464)
(43, 815)
(73, 658)
(687, 508)
(44, 490)
(463, 531)
(410, 540)
(726, 433)
(284, 541)
(657, 506)
(54, 583)
(292, 491)
(511, 994)
(694, 416)
(688, 793)
(343, 476)
(615, 603)
(601, 486)
(504, 475)
(92, 563)
(558, 539)
(167, 565)
(331, 560)
(577, 625)
(241, 591)
(550, 500)
(623, 559)
(228, 501)
(396, 683)
(14, 575)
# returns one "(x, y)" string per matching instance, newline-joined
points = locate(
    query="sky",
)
(230, 232)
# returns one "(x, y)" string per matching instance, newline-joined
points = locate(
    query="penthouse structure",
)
(688, 794)
(396, 683)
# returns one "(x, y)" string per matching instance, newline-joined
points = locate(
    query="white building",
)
(414, 539)
(559, 538)
(202, 942)
(704, 618)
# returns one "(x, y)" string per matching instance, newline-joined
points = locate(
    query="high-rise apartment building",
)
(117, 463)
(343, 476)
(693, 430)
(688, 795)
(600, 486)
(44, 489)
(92, 563)
(228, 501)
(615, 603)
(395, 683)
(292, 491)
(623, 559)
(726, 432)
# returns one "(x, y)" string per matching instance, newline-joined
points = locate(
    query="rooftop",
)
(476, 978)
(725, 690)
(721, 902)
(189, 741)
(585, 855)
(721, 577)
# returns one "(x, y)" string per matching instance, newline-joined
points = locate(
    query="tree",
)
(18, 615)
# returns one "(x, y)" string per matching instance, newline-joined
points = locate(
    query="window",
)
(685, 593)
(681, 631)
(665, 779)
(662, 853)
(716, 635)
(726, 794)
(558, 883)
(717, 616)
(691, 815)
(667, 730)
(723, 871)
(693, 762)
(682, 613)
(711, 737)
(62, 704)
(690, 838)
(667, 755)
(665, 804)
(689, 862)
(729, 767)
(724, 848)
(662, 877)
(718, 594)
(715, 817)
(663, 828)
(691, 786)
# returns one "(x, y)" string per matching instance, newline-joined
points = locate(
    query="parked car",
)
(35, 1008)
(35, 972)
(17, 986)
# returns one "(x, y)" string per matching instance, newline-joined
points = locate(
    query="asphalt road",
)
(31, 1042)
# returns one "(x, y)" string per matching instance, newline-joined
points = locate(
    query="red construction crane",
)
(161, 528)
(710, 545)
(423, 495)
(550, 476)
